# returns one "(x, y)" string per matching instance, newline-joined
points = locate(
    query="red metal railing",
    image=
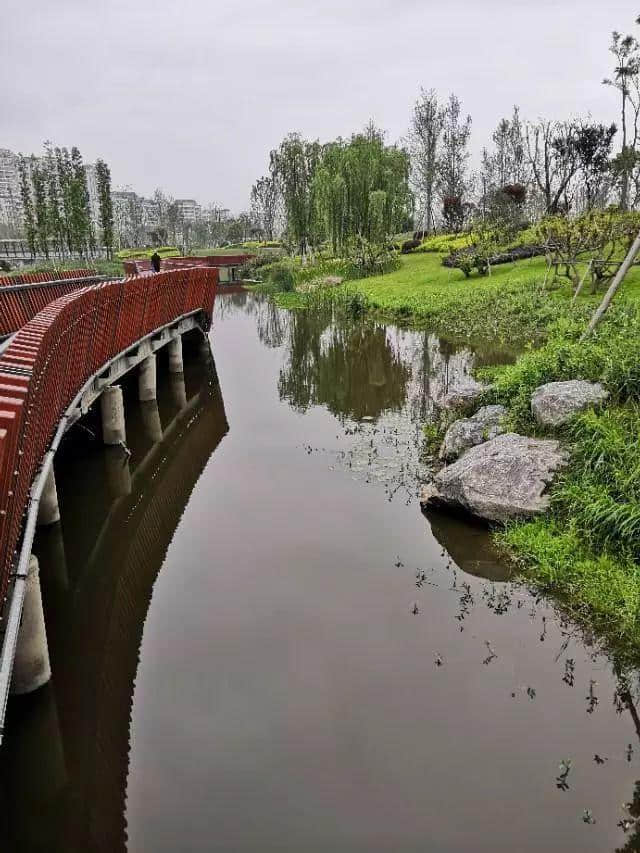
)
(51, 358)
(37, 277)
(19, 304)
(133, 267)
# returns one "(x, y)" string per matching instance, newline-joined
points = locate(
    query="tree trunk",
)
(615, 284)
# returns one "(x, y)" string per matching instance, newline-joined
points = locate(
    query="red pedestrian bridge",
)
(66, 357)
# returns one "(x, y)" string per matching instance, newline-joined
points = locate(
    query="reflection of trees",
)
(349, 367)
(272, 323)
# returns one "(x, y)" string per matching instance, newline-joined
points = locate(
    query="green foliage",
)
(281, 276)
(597, 234)
(595, 585)
(55, 199)
(27, 205)
(103, 180)
(141, 254)
(342, 190)
(611, 355)
(589, 548)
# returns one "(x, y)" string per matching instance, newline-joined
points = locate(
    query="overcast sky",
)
(191, 95)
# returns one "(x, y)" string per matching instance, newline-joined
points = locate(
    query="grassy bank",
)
(587, 550)
(510, 304)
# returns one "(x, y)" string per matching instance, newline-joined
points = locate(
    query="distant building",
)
(10, 198)
(150, 213)
(190, 210)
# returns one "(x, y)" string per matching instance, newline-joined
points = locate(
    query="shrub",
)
(281, 276)
(409, 245)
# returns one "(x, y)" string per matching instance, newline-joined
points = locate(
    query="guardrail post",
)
(31, 668)
(175, 355)
(147, 379)
(112, 410)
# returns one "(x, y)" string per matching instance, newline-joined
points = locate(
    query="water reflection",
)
(66, 756)
(352, 369)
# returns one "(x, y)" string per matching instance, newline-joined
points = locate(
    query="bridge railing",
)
(20, 303)
(48, 362)
(50, 275)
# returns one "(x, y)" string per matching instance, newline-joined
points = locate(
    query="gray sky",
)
(191, 95)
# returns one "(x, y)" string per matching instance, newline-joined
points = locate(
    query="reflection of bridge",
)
(81, 733)
(68, 356)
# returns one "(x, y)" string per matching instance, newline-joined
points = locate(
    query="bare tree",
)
(427, 122)
(265, 200)
(454, 154)
(554, 161)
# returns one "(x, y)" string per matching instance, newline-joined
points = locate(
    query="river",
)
(259, 643)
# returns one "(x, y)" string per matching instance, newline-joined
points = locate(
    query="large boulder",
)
(555, 403)
(464, 397)
(500, 480)
(467, 432)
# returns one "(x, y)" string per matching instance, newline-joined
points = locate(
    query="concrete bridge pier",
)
(112, 411)
(147, 379)
(31, 668)
(118, 472)
(178, 389)
(48, 508)
(175, 355)
(151, 420)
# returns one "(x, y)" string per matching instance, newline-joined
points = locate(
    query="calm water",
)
(260, 644)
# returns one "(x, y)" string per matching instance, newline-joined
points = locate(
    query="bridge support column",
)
(151, 421)
(175, 355)
(178, 390)
(112, 410)
(118, 472)
(31, 667)
(147, 379)
(48, 508)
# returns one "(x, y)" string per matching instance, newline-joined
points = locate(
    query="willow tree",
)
(362, 188)
(294, 164)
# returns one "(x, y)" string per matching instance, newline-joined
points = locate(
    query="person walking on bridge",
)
(155, 262)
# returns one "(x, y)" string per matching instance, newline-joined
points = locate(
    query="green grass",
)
(507, 306)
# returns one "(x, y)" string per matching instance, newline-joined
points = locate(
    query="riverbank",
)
(587, 549)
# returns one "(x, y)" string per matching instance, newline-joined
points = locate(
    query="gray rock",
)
(467, 432)
(464, 396)
(556, 403)
(499, 480)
